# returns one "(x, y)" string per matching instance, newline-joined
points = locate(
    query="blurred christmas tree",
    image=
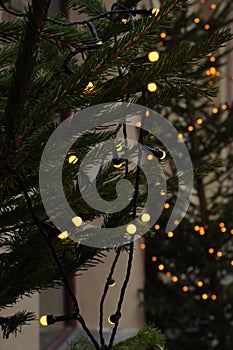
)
(48, 66)
(189, 288)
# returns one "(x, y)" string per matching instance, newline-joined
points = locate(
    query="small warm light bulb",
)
(153, 56)
(110, 320)
(73, 159)
(170, 234)
(77, 221)
(223, 229)
(157, 227)
(161, 267)
(142, 246)
(43, 321)
(212, 59)
(201, 232)
(145, 217)
(111, 283)
(224, 106)
(176, 222)
(213, 6)
(166, 205)
(196, 228)
(138, 124)
(162, 193)
(231, 263)
(124, 20)
(63, 235)
(190, 128)
(180, 136)
(154, 258)
(196, 20)
(117, 163)
(163, 156)
(206, 26)
(119, 147)
(163, 35)
(152, 87)
(199, 121)
(147, 113)
(174, 279)
(204, 296)
(219, 254)
(155, 11)
(231, 231)
(215, 110)
(213, 70)
(221, 224)
(185, 289)
(211, 250)
(214, 297)
(131, 229)
(150, 157)
(199, 283)
(168, 274)
(99, 42)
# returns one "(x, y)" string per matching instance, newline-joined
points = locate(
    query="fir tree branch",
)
(23, 67)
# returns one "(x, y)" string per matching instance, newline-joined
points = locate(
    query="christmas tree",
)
(50, 65)
(189, 270)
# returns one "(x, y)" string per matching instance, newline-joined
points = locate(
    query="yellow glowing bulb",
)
(224, 106)
(213, 70)
(119, 147)
(145, 217)
(124, 20)
(63, 235)
(166, 205)
(138, 124)
(213, 6)
(185, 289)
(231, 231)
(204, 296)
(199, 283)
(174, 279)
(214, 297)
(109, 320)
(162, 193)
(147, 113)
(223, 229)
(77, 221)
(43, 321)
(221, 224)
(211, 250)
(117, 166)
(207, 72)
(199, 121)
(163, 35)
(163, 156)
(153, 56)
(219, 254)
(154, 258)
(150, 157)
(202, 232)
(212, 59)
(180, 136)
(215, 110)
(176, 222)
(152, 87)
(190, 128)
(157, 227)
(207, 26)
(231, 263)
(170, 234)
(73, 159)
(155, 11)
(112, 283)
(142, 246)
(131, 229)
(161, 267)
(99, 42)
(196, 20)
(196, 228)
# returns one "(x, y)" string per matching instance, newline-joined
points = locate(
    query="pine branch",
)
(13, 324)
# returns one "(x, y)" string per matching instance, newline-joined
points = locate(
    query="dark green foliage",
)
(188, 319)
(37, 83)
